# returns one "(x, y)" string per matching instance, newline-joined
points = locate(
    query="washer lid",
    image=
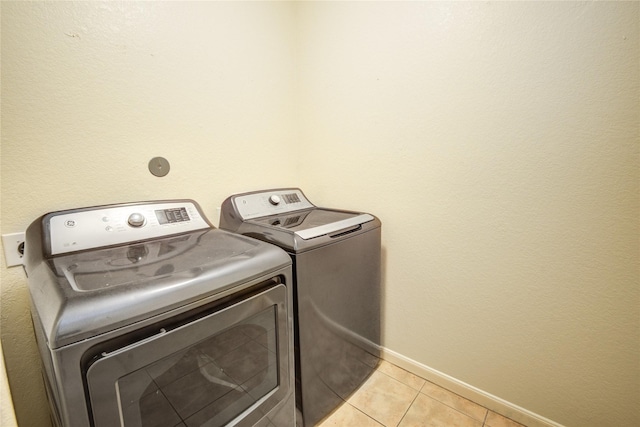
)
(316, 222)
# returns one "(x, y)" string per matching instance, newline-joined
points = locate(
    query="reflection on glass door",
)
(207, 384)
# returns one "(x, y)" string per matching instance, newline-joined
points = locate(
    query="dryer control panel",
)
(270, 202)
(89, 228)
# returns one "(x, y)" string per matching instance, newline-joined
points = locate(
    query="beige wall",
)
(498, 143)
(91, 91)
(7, 413)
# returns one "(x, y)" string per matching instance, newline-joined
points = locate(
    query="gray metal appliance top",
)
(288, 219)
(96, 269)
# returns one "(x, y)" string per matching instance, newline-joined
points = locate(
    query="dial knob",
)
(136, 220)
(274, 200)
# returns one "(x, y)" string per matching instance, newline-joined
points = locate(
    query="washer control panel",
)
(270, 202)
(80, 229)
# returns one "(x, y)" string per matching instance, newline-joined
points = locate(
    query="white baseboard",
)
(501, 406)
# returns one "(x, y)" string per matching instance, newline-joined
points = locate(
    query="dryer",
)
(146, 315)
(336, 262)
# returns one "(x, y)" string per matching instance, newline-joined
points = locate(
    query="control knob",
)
(136, 220)
(274, 200)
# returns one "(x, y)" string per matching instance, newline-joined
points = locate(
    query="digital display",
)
(169, 216)
(291, 198)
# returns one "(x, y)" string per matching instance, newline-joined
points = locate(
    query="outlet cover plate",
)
(10, 244)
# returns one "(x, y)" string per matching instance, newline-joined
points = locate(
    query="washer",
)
(146, 315)
(336, 262)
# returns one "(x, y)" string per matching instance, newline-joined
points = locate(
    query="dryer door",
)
(231, 365)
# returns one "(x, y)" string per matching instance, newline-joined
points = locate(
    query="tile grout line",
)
(408, 408)
(486, 415)
(419, 391)
(458, 410)
(401, 382)
(364, 413)
(497, 412)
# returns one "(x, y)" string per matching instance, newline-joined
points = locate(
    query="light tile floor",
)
(393, 397)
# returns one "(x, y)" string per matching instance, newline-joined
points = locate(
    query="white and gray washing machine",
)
(146, 315)
(336, 264)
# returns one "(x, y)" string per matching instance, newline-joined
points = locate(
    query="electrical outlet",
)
(13, 245)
